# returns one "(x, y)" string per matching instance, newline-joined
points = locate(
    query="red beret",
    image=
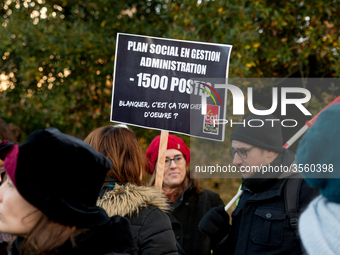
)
(174, 142)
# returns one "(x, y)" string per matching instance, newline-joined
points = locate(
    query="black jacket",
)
(188, 210)
(113, 238)
(260, 224)
(144, 207)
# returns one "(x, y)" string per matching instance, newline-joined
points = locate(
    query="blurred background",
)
(57, 57)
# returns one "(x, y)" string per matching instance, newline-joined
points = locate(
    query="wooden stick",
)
(163, 144)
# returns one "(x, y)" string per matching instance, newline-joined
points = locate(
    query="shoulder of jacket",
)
(124, 200)
(151, 213)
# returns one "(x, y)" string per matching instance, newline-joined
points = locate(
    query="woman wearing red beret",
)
(189, 201)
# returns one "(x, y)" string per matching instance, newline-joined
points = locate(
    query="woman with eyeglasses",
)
(124, 194)
(189, 201)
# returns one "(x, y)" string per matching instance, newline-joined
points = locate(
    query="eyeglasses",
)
(179, 159)
(241, 152)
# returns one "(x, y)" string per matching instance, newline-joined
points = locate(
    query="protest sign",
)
(160, 84)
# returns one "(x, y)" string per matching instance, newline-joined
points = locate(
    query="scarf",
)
(5, 238)
(319, 227)
(173, 194)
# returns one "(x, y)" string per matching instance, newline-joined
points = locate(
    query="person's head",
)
(121, 146)
(318, 154)
(256, 143)
(176, 170)
(51, 188)
(5, 132)
(16, 132)
(17, 216)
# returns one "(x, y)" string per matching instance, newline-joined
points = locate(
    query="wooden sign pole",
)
(161, 159)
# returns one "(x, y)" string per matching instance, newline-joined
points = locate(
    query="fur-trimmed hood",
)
(124, 200)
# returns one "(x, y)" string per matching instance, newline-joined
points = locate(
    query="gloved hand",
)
(215, 223)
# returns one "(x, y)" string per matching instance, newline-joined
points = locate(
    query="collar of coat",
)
(185, 194)
(124, 200)
(261, 181)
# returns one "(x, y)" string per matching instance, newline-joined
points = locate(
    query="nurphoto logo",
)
(238, 105)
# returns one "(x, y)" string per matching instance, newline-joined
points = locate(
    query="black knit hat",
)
(268, 136)
(61, 176)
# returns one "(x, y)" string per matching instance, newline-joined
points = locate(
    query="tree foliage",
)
(58, 55)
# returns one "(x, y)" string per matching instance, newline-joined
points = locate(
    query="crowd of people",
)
(61, 195)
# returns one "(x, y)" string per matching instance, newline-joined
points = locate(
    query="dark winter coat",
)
(144, 207)
(260, 224)
(113, 238)
(188, 210)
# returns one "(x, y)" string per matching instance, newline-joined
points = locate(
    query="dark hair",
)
(16, 132)
(121, 146)
(46, 236)
(5, 132)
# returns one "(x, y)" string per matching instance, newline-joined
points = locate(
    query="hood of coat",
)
(124, 200)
